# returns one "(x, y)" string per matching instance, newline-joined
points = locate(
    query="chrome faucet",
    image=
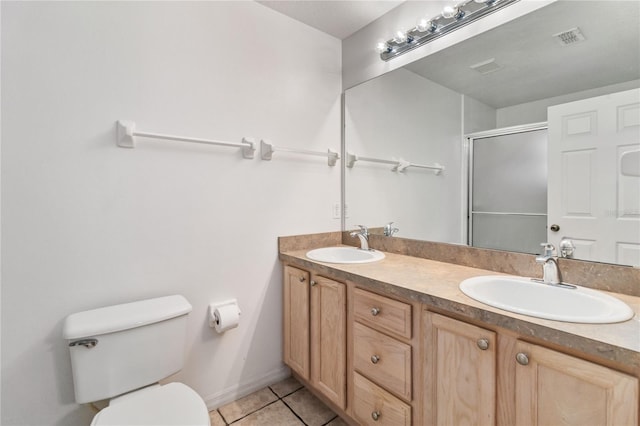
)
(363, 234)
(389, 230)
(550, 271)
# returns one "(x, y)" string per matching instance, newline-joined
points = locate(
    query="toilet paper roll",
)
(226, 317)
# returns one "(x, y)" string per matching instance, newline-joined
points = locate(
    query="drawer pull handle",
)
(522, 358)
(313, 283)
(302, 279)
(375, 359)
(375, 311)
(483, 344)
(375, 415)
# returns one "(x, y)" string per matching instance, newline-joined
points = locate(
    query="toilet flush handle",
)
(87, 343)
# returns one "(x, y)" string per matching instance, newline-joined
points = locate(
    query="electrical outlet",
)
(336, 211)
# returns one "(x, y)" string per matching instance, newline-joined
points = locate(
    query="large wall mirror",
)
(539, 118)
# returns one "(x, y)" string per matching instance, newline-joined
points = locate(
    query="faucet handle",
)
(389, 230)
(549, 249)
(363, 229)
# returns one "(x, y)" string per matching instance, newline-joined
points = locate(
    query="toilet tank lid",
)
(123, 317)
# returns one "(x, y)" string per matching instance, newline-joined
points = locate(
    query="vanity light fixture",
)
(451, 18)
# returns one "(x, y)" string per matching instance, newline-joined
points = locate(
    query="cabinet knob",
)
(302, 279)
(554, 228)
(375, 359)
(483, 344)
(313, 283)
(375, 415)
(522, 358)
(375, 311)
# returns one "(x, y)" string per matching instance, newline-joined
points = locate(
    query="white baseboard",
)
(235, 392)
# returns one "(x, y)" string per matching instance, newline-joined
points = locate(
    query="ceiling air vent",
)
(574, 35)
(486, 67)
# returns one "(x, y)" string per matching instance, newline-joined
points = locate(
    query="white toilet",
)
(120, 352)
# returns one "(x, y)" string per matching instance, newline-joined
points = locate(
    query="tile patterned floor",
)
(286, 403)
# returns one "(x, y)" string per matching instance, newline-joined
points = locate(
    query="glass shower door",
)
(508, 190)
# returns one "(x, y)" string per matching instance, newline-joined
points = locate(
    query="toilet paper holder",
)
(213, 307)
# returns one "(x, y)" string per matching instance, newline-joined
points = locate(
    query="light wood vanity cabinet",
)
(297, 321)
(329, 338)
(553, 388)
(460, 372)
(315, 321)
(539, 386)
(382, 360)
(377, 372)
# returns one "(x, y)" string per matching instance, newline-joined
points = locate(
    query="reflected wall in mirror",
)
(508, 76)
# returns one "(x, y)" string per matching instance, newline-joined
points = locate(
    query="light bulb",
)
(423, 25)
(426, 25)
(382, 46)
(400, 37)
(450, 12)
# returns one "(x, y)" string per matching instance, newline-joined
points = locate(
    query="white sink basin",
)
(527, 297)
(344, 255)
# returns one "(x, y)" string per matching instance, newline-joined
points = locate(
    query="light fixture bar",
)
(452, 18)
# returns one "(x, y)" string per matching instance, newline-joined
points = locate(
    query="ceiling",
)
(339, 18)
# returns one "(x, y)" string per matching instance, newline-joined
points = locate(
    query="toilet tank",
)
(120, 348)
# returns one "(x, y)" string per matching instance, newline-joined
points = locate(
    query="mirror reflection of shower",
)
(508, 189)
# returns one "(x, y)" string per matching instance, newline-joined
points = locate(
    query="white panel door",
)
(592, 195)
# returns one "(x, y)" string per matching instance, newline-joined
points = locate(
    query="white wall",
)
(361, 62)
(402, 115)
(477, 116)
(536, 111)
(87, 224)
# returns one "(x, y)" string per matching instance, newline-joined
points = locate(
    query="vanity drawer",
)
(373, 405)
(382, 313)
(382, 359)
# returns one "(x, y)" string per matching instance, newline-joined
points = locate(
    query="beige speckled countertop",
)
(436, 284)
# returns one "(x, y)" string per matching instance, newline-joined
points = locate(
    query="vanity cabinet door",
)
(460, 373)
(553, 388)
(329, 338)
(296, 320)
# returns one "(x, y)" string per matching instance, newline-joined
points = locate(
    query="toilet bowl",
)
(174, 404)
(121, 352)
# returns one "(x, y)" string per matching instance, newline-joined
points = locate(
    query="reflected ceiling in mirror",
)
(526, 60)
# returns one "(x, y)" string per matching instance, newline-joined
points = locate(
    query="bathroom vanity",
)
(395, 342)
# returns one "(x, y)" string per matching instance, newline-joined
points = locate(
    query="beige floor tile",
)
(274, 414)
(309, 408)
(247, 405)
(286, 386)
(337, 422)
(216, 419)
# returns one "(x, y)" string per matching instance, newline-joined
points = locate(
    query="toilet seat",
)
(173, 404)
